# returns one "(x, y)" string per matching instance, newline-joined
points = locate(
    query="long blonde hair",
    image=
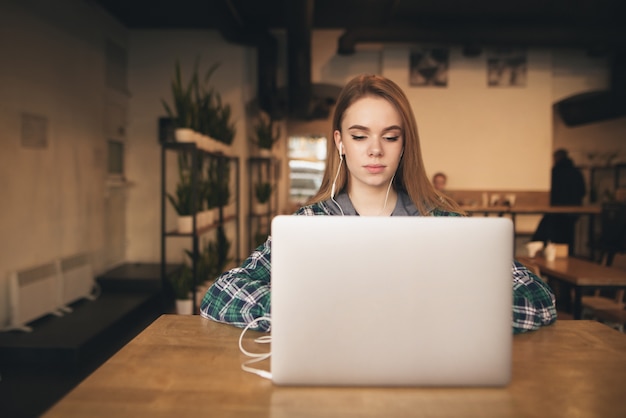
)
(411, 175)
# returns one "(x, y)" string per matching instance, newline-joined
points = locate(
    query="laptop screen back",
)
(391, 301)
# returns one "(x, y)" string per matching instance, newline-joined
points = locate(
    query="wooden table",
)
(580, 275)
(514, 211)
(533, 210)
(187, 366)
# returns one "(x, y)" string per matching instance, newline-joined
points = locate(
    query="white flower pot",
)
(197, 137)
(208, 217)
(205, 143)
(185, 224)
(230, 210)
(200, 219)
(261, 208)
(220, 147)
(227, 149)
(185, 135)
(184, 306)
(213, 144)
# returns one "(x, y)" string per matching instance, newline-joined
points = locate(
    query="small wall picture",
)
(506, 67)
(429, 67)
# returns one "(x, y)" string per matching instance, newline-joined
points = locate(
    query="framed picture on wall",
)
(506, 67)
(429, 67)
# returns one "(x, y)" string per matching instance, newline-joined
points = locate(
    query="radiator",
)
(32, 294)
(76, 280)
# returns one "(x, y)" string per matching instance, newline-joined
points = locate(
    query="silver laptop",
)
(391, 301)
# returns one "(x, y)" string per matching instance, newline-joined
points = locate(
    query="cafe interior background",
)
(76, 80)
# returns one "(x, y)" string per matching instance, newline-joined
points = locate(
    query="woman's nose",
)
(375, 148)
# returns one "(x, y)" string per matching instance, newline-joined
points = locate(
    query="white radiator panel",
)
(32, 294)
(76, 278)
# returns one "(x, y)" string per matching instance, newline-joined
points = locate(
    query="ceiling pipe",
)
(487, 34)
(234, 30)
(299, 24)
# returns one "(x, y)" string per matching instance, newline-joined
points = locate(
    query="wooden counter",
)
(184, 366)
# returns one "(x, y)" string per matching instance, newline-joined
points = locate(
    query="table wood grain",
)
(183, 366)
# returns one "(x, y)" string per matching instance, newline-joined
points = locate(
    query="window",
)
(307, 155)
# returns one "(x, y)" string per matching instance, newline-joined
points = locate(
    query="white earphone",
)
(332, 191)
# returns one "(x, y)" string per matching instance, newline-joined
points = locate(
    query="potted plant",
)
(218, 178)
(182, 200)
(259, 238)
(183, 111)
(207, 263)
(266, 134)
(224, 129)
(262, 192)
(207, 116)
(222, 249)
(208, 198)
(182, 285)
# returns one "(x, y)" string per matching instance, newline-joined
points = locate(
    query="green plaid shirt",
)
(242, 294)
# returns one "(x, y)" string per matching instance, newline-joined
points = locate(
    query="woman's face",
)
(372, 139)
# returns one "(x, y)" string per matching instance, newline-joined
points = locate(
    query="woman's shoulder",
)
(313, 209)
(443, 212)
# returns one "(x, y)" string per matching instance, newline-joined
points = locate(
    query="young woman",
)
(376, 169)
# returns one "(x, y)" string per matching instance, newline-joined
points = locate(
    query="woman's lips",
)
(374, 168)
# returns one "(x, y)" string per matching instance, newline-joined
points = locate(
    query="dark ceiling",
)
(597, 24)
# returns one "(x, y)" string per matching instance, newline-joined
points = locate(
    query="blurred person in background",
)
(567, 188)
(439, 181)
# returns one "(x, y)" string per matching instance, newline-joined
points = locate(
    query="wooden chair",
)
(615, 318)
(611, 301)
(597, 302)
(612, 240)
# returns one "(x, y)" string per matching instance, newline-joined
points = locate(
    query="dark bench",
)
(130, 298)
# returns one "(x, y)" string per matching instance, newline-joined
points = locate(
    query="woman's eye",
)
(358, 137)
(392, 138)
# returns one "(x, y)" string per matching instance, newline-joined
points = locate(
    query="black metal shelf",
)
(204, 229)
(197, 232)
(261, 169)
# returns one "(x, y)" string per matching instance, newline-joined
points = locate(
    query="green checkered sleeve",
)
(533, 301)
(242, 294)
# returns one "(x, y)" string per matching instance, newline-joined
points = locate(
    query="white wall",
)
(53, 66)
(480, 136)
(53, 197)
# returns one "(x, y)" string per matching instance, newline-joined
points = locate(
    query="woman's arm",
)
(533, 301)
(242, 294)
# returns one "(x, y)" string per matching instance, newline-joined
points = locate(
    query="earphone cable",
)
(256, 357)
(332, 191)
